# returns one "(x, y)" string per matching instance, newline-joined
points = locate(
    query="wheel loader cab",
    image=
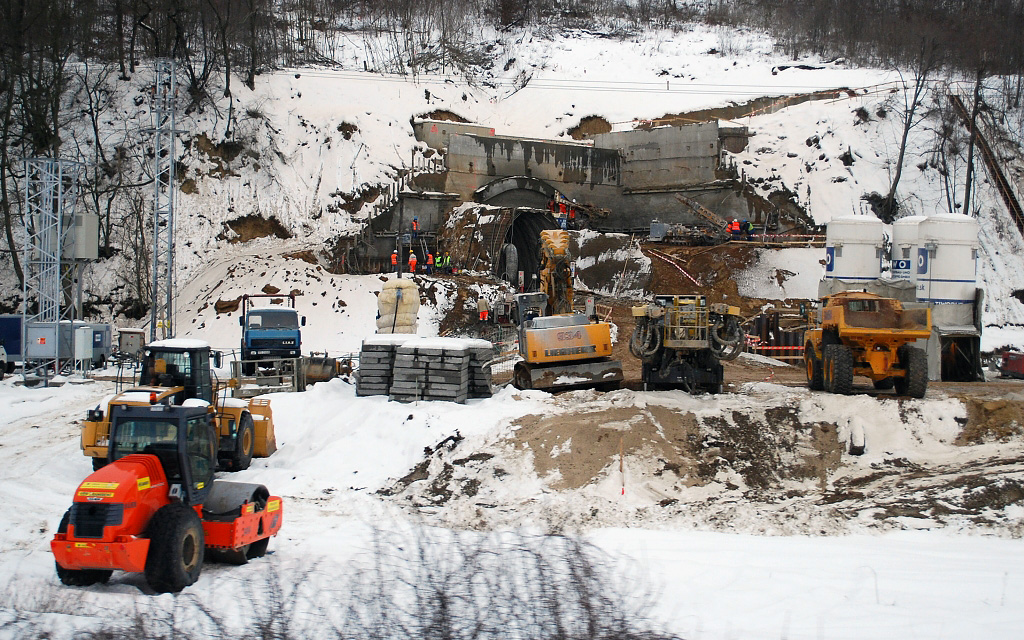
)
(182, 438)
(165, 366)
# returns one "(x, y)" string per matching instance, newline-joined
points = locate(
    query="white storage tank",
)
(947, 259)
(904, 248)
(853, 248)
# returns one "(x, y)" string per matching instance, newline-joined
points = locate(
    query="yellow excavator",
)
(561, 348)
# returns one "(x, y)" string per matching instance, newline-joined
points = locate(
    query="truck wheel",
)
(885, 384)
(78, 577)
(815, 375)
(176, 548)
(98, 463)
(915, 382)
(838, 369)
(245, 443)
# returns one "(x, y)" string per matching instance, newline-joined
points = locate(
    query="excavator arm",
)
(556, 271)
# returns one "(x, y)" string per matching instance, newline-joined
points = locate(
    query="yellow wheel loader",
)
(177, 372)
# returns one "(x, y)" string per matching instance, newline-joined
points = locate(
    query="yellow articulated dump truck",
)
(864, 334)
(559, 347)
(177, 372)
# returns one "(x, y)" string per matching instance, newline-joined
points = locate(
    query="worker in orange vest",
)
(394, 260)
(734, 229)
(412, 262)
(430, 263)
(415, 227)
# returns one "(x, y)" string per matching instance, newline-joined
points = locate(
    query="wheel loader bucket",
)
(319, 369)
(263, 424)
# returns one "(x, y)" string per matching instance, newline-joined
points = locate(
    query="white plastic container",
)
(904, 248)
(853, 248)
(947, 259)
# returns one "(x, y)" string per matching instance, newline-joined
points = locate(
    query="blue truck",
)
(270, 333)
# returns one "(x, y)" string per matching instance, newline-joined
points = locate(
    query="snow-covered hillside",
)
(309, 144)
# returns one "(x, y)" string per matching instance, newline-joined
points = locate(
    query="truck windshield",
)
(273, 320)
(144, 436)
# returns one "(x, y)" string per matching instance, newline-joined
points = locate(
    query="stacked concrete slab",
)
(377, 363)
(480, 354)
(409, 368)
(431, 369)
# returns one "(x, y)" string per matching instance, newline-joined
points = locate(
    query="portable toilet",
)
(947, 259)
(854, 249)
(904, 248)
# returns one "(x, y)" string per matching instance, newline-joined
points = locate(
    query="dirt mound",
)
(663, 457)
(992, 420)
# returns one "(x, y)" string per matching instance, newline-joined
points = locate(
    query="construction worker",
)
(483, 308)
(412, 262)
(734, 229)
(446, 263)
(748, 229)
(415, 227)
(430, 263)
(394, 260)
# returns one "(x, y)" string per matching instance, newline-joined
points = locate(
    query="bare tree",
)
(913, 95)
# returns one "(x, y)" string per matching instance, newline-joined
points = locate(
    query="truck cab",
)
(270, 332)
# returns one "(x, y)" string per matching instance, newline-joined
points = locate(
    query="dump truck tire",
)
(78, 577)
(815, 375)
(838, 369)
(98, 463)
(176, 549)
(245, 444)
(915, 382)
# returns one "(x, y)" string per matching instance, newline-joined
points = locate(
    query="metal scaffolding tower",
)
(50, 187)
(161, 319)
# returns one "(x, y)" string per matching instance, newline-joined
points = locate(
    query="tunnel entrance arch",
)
(521, 245)
(516, 191)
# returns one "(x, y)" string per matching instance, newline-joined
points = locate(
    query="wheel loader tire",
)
(838, 369)
(815, 375)
(98, 463)
(176, 548)
(885, 384)
(78, 577)
(915, 382)
(245, 444)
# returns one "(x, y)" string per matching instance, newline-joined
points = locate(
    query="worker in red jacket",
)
(394, 260)
(430, 263)
(412, 262)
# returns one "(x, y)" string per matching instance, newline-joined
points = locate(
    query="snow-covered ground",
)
(336, 451)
